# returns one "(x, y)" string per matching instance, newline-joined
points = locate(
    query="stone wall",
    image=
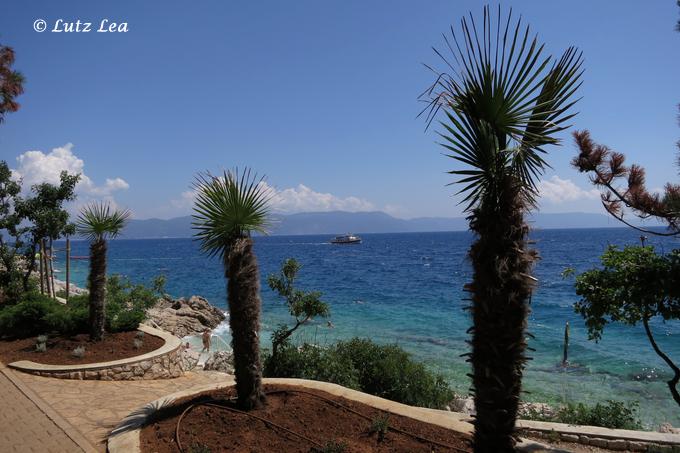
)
(169, 361)
(601, 442)
(166, 366)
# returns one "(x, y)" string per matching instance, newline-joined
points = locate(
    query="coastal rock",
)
(667, 428)
(183, 317)
(466, 405)
(220, 361)
(189, 359)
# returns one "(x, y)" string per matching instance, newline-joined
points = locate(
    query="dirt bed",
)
(297, 420)
(59, 351)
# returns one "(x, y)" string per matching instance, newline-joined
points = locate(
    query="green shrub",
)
(32, 316)
(610, 414)
(36, 314)
(382, 370)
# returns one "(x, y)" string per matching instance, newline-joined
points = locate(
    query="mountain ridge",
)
(339, 222)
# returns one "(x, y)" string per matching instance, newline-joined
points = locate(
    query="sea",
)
(407, 289)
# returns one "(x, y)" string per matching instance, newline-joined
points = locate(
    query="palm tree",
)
(99, 222)
(503, 103)
(228, 208)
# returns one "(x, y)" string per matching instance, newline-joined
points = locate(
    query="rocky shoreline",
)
(182, 317)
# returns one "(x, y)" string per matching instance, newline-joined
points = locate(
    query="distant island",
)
(338, 222)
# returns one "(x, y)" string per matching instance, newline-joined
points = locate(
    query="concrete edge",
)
(603, 433)
(68, 429)
(171, 344)
(129, 442)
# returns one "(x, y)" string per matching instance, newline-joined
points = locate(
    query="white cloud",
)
(291, 200)
(558, 190)
(304, 199)
(35, 167)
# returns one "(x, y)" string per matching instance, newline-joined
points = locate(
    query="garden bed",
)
(298, 419)
(114, 346)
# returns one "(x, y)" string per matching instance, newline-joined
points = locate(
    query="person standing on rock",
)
(206, 340)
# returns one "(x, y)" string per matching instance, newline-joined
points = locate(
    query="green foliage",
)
(229, 207)
(303, 306)
(35, 314)
(99, 221)
(199, 448)
(610, 414)
(380, 426)
(382, 370)
(27, 221)
(634, 284)
(126, 303)
(38, 314)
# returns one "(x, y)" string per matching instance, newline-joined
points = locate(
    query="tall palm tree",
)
(99, 222)
(228, 208)
(504, 101)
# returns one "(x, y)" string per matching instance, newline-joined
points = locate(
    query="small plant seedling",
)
(42, 339)
(139, 335)
(78, 352)
(332, 447)
(380, 426)
(137, 343)
(198, 448)
(40, 347)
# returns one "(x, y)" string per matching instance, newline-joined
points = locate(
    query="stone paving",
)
(24, 427)
(95, 407)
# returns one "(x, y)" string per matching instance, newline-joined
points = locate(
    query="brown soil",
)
(314, 422)
(114, 346)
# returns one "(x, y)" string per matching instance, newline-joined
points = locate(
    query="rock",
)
(667, 428)
(189, 359)
(182, 317)
(220, 361)
(463, 404)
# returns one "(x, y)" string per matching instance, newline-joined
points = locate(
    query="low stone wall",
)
(165, 362)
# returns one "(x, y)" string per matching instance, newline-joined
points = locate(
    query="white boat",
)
(346, 239)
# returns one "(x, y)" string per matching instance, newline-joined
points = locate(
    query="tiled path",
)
(24, 424)
(94, 407)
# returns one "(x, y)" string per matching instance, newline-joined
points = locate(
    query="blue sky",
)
(318, 94)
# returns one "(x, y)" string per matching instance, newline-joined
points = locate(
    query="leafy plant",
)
(303, 306)
(78, 352)
(137, 343)
(40, 347)
(382, 370)
(609, 414)
(380, 426)
(634, 285)
(199, 448)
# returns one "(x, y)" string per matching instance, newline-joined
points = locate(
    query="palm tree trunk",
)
(500, 304)
(97, 289)
(244, 319)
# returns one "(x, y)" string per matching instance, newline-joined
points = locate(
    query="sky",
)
(321, 97)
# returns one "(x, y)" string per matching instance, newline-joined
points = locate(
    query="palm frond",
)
(228, 207)
(99, 220)
(504, 102)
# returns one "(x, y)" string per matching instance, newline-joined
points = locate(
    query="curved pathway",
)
(94, 407)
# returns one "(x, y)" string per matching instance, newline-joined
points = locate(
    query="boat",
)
(346, 239)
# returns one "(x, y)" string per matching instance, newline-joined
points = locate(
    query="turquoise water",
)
(406, 289)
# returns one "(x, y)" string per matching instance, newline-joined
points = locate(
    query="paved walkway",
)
(94, 407)
(25, 425)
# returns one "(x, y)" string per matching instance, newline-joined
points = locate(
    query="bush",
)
(382, 370)
(34, 315)
(610, 414)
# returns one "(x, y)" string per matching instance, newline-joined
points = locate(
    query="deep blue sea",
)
(407, 289)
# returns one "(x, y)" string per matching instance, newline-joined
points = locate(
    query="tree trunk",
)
(243, 291)
(673, 382)
(500, 289)
(97, 283)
